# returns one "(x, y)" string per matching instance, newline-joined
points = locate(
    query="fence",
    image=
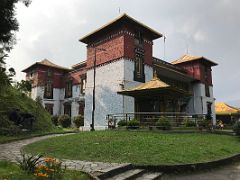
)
(151, 118)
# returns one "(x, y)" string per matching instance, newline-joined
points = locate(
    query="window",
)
(49, 108)
(139, 57)
(68, 89)
(81, 108)
(138, 39)
(83, 84)
(48, 90)
(67, 109)
(206, 79)
(49, 73)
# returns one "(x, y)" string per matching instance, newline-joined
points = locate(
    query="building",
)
(128, 77)
(226, 113)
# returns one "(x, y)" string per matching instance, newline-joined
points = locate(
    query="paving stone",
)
(11, 151)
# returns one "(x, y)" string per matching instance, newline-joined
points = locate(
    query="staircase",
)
(127, 172)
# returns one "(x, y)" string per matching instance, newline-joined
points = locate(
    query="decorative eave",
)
(118, 21)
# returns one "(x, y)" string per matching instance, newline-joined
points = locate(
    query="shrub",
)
(133, 123)
(10, 131)
(122, 123)
(204, 123)
(164, 123)
(236, 128)
(28, 163)
(78, 121)
(55, 120)
(64, 120)
(189, 123)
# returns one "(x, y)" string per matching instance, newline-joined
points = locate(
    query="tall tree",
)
(8, 27)
(8, 23)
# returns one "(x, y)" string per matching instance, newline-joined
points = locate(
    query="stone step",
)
(112, 171)
(127, 175)
(150, 176)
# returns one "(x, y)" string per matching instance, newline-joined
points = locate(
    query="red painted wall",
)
(118, 46)
(197, 70)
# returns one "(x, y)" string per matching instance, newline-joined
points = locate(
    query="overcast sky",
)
(211, 28)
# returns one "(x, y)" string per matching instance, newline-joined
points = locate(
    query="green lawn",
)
(139, 147)
(12, 172)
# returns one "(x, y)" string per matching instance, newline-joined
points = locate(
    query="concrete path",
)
(11, 151)
(228, 172)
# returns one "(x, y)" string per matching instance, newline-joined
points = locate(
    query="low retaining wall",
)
(190, 167)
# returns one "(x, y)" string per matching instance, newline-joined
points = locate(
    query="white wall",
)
(109, 80)
(198, 103)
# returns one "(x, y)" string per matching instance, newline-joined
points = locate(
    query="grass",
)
(149, 148)
(12, 172)
(6, 139)
(11, 98)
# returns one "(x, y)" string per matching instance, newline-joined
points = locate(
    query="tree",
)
(24, 86)
(8, 27)
(8, 23)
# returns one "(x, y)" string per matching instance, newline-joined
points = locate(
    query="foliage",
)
(8, 22)
(163, 123)
(50, 169)
(189, 123)
(122, 122)
(11, 171)
(28, 163)
(24, 86)
(64, 120)
(78, 121)
(7, 127)
(236, 128)
(204, 124)
(11, 99)
(55, 120)
(133, 123)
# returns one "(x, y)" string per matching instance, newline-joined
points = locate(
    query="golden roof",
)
(48, 63)
(118, 19)
(188, 58)
(155, 83)
(223, 108)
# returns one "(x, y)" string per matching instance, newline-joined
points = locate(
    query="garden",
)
(139, 147)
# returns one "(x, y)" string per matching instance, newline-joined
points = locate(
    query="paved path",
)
(11, 151)
(228, 172)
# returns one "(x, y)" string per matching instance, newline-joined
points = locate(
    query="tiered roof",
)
(188, 58)
(48, 63)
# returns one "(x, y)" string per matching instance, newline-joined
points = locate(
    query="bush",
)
(189, 123)
(55, 120)
(78, 121)
(164, 123)
(10, 131)
(236, 128)
(28, 163)
(122, 123)
(64, 120)
(133, 123)
(204, 123)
